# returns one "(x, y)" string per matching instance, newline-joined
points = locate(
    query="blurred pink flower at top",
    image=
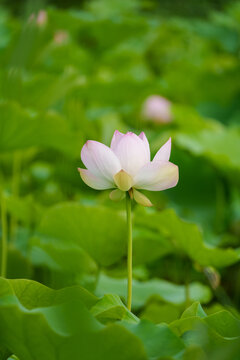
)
(42, 18)
(60, 37)
(157, 109)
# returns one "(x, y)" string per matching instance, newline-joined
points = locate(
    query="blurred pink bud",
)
(157, 109)
(42, 18)
(127, 165)
(60, 37)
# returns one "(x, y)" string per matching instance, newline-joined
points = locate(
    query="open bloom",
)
(127, 166)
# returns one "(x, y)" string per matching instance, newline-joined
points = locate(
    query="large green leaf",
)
(220, 145)
(58, 256)
(97, 231)
(194, 310)
(32, 294)
(37, 322)
(185, 237)
(157, 311)
(217, 335)
(149, 245)
(159, 340)
(222, 322)
(56, 324)
(21, 128)
(110, 308)
(143, 291)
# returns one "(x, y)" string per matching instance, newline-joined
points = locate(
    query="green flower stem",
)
(4, 236)
(129, 260)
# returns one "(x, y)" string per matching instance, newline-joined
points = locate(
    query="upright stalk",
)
(129, 256)
(4, 236)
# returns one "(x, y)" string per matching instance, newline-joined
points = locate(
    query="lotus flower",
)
(127, 166)
(42, 18)
(157, 109)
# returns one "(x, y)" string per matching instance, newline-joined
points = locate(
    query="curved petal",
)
(164, 152)
(100, 159)
(117, 136)
(131, 152)
(157, 176)
(146, 143)
(95, 182)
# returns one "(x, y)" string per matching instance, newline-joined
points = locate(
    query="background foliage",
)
(76, 71)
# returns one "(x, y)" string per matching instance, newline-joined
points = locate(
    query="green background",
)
(82, 73)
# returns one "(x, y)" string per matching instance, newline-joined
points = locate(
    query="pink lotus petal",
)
(117, 136)
(157, 176)
(95, 182)
(100, 159)
(131, 151)
(164, 152)
(146, 143)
